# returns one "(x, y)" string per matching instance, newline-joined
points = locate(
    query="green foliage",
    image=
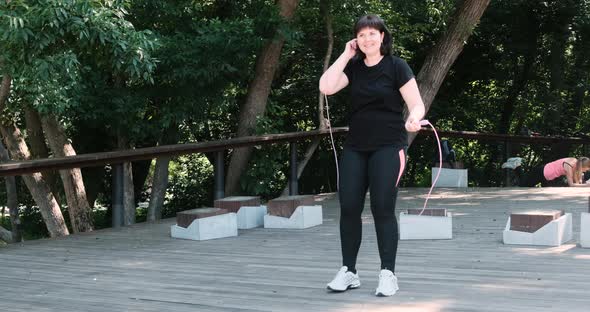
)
(5, 221)
(206, 55)
(67, 57)
(143, 67)
(267, 173)
(96, 30)
(32, 223)
(190, 186)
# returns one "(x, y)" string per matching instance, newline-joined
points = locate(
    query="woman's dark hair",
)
(375, 22)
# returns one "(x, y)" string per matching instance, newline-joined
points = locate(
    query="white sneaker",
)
(344, 280)
(387, 284)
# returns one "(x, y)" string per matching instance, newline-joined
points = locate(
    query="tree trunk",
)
(557, 61)
(160, 180)
(78, 208)
(519, 84)
(38, 147)
(159, 187)
(528, 67)
(41, 193)
(325, 12)
(35, 136)
(141, 171)
(4, 89)
(266, 65)
(128, 194)
(12, 199)
(39, 190)
(128, 190)
(93, 182)
(581, 68)
(447, 49)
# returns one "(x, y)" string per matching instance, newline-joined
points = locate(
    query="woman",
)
(572, 168)
(374, 152)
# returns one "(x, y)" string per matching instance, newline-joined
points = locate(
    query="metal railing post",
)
(293, 183)
(507, 172)
(219, 175)
(117, 195)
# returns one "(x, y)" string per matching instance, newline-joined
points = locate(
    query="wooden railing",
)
(508, 138)
(103, 158)
(218, 147)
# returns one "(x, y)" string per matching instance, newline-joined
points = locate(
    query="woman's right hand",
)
(350, 48)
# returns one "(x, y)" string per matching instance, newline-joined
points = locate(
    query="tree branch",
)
(4, 90)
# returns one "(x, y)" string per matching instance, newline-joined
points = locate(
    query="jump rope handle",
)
(425, 122)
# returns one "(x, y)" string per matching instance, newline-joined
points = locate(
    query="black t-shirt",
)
(376, 114)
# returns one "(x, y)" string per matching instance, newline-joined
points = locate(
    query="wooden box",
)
(434, 212)
(554, 233)
(285, 206)
(185, 218)
(532, 221)
(234, 203)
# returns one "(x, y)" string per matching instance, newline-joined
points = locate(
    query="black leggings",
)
(533, 177)
(379, 171)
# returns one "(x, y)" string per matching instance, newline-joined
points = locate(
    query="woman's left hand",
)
(412, 125)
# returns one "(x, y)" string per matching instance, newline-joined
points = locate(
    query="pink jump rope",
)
(423, 122)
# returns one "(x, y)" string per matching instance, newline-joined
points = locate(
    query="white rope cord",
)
(332, 142)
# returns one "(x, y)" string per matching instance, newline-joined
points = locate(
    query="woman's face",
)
(369, 41)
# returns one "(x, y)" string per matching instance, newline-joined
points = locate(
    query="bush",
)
(190, 184)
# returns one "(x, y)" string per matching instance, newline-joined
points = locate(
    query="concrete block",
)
(585, 230)
(553, 233)
(217, 226)
(303, 217)
(248, 209)
(250, 217)
(449, 177)
(413, 226)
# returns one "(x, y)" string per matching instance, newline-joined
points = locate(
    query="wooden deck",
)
(141, 268)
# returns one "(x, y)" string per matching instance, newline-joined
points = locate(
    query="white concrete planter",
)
(449, 177)
(425, 227)
(219, 226)
(585, 230)
(250, 217)
(303, 217)
(553, 233)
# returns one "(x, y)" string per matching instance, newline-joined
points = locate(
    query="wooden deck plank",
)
(140, 268)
